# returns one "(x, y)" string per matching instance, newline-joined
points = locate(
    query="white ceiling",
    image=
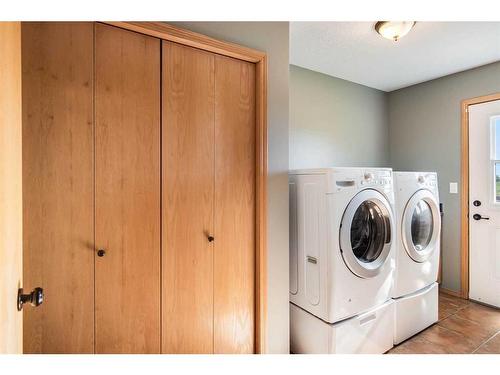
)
(355, 52)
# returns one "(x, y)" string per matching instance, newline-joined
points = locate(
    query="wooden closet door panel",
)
(188, 199)
(127, 206)
(58, 185)
(234, 253)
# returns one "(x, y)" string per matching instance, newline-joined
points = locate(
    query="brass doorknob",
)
(35, 298)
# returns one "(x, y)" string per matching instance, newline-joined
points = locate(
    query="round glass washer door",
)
(366, 233)
(420, 227)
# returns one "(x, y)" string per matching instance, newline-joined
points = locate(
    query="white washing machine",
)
(341, 252)
(415, 290)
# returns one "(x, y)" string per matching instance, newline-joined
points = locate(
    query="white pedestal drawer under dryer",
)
(415, 290)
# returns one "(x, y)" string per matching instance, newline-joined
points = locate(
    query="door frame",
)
(11, 200)
(464, 183)
(175, 34)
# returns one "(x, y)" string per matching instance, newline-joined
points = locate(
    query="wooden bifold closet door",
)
(58, 185)
(139, 193)
(91, 184)
(208, 216)
(234, 252)
(188, 199)
(127, 191)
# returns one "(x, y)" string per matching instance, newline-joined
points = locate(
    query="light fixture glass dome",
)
(394, 30)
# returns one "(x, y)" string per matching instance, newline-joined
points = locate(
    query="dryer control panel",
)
(427, 180)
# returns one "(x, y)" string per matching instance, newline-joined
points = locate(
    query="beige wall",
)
(334, 122)
(10, 187)
(424, 128)
(271, 37)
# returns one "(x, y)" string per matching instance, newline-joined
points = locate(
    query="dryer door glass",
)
(369, 232)
(422, 224)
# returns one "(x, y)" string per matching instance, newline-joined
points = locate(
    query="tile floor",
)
(463, 327)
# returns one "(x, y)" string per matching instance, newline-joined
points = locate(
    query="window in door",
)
(495, 157)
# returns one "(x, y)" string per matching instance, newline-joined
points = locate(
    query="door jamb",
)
(175, 34)
(464, 182)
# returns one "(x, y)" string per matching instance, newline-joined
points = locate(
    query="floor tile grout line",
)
(485, 342)
(460, 333)
(463, 307)
(456, 311)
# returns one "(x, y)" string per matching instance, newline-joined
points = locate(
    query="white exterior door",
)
(484, 202)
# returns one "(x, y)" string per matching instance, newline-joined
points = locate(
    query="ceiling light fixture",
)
(394, 30)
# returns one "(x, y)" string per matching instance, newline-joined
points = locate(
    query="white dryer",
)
(415, 290)
(341, 255)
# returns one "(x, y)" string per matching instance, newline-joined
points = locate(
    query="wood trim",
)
(450, 292)
(261, 209)
(464, 203)
(481, 99)
(178, 35)
(464, 181)
(189, 38)
(11, 199)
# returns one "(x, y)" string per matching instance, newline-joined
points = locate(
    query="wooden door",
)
(127, 205)
(235, 173)
(58, 185)
(188, 199)
(11, 225)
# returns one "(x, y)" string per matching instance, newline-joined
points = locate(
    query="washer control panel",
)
(376, 178)
(362, 179)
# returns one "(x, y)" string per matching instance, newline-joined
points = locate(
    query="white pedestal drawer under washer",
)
(367, 333)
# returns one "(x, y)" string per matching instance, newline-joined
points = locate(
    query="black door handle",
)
(479, 217)
(35, 298)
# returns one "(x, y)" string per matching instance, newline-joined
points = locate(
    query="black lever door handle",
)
(35, 298)
(479, 217)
